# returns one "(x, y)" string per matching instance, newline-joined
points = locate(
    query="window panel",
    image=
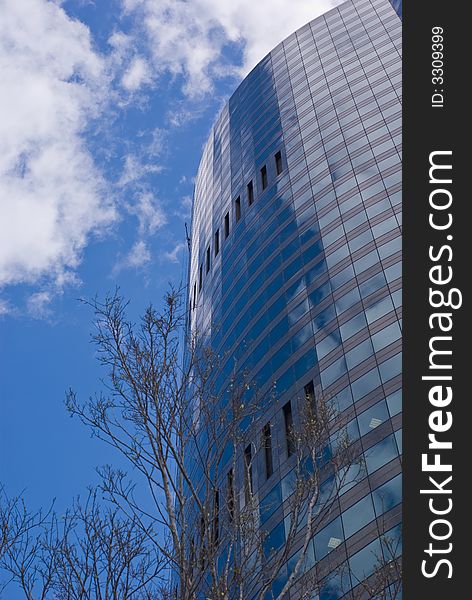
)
(274, 540)
(394, 402)
(327, 344)
(398, 439)
(371, 418)
(344, 398)
(333, 372)
(353, 326)
(372, 284)
(384, 227)
(358, 354)
(358, 516)
(301, 336)
(365, 384)
(328, 538)
(334, 258)
(390, 368)
(360, 241)
(387, 495)
(318, 295)
(347, 301)
(323, 318)
(364, 562)
(335, 585)
(379, 309)
(387, 336)
(381, 454)
(393, 272)
(305, 363)
(342, 277)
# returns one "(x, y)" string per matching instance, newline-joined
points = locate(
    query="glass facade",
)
(398, 6)
(295, 269)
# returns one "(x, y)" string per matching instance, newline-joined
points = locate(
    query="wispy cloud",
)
(5, 308)
(149, 213)
(137, 74)
(137, 258)
(184, 209)
(158, 144)
(38, 305)
(136, 169)
(175, 255)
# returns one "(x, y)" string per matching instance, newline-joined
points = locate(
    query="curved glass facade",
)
(295, 268)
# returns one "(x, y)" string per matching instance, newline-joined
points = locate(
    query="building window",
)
(217, 242)
(230, 490)
(267, 445)
(226, 224)
(208, 260)
(237, 208)
(264, 177)
(310, 393)
(288, 422)
(250, 193)
(200, 278)
(278, 163)
(248, 473)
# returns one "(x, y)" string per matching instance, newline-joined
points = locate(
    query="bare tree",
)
(18, 542)
(385, 582)
(194, 448)
(89, 553)
(188, 522)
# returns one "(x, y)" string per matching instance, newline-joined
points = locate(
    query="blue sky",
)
(105, 107)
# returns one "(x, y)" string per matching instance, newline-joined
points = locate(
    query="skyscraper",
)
(295, 269)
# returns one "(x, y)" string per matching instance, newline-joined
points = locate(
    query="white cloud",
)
(135, 169)
(5, 308)
(180, 114)
(188, 38)
(38, 305)
(52, 196)
(137, 74)
(137, 258)
(175, 255)
(149, 213)
(157, 145)
(55, 85)
(184, 209)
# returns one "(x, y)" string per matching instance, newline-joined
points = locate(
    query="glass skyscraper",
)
(295, 268)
